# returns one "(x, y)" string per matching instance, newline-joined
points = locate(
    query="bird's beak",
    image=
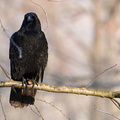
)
(29, 19)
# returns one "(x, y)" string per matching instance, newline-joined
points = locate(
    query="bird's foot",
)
(32, 82)
(28, 81)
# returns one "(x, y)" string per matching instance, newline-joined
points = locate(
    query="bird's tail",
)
(22, 97)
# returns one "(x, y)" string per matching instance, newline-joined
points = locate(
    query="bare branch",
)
(64, 89)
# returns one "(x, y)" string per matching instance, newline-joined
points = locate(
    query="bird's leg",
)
(24, 81)
(14, 89)
(35, 81)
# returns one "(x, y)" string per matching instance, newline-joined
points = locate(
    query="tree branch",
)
(64, 89)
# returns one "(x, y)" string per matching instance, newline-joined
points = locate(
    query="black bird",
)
(28, 56)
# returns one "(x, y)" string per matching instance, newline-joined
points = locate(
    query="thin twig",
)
(116, 103)
(3, 109)
(19, 48)
(99, 75)
(34, 111)
(44, 13)
(107, 113)
(6, 72)
(53, 107)
(38, 112)
(4, 30)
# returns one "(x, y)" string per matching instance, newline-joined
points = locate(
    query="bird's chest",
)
(30, 47)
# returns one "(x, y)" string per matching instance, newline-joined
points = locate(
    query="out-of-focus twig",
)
(53, 107)
(107, 113)
(6, 72)
(38, 112)
(5, 117)
(99, 75)
(4, 30)
(44, 13)
(39, 115)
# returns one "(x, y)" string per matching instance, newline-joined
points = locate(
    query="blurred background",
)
(84, 40)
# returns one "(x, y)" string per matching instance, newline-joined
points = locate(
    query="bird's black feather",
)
(28, 55)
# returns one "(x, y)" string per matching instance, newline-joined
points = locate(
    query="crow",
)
(28, 54)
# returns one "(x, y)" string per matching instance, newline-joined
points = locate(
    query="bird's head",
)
(31, 22)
